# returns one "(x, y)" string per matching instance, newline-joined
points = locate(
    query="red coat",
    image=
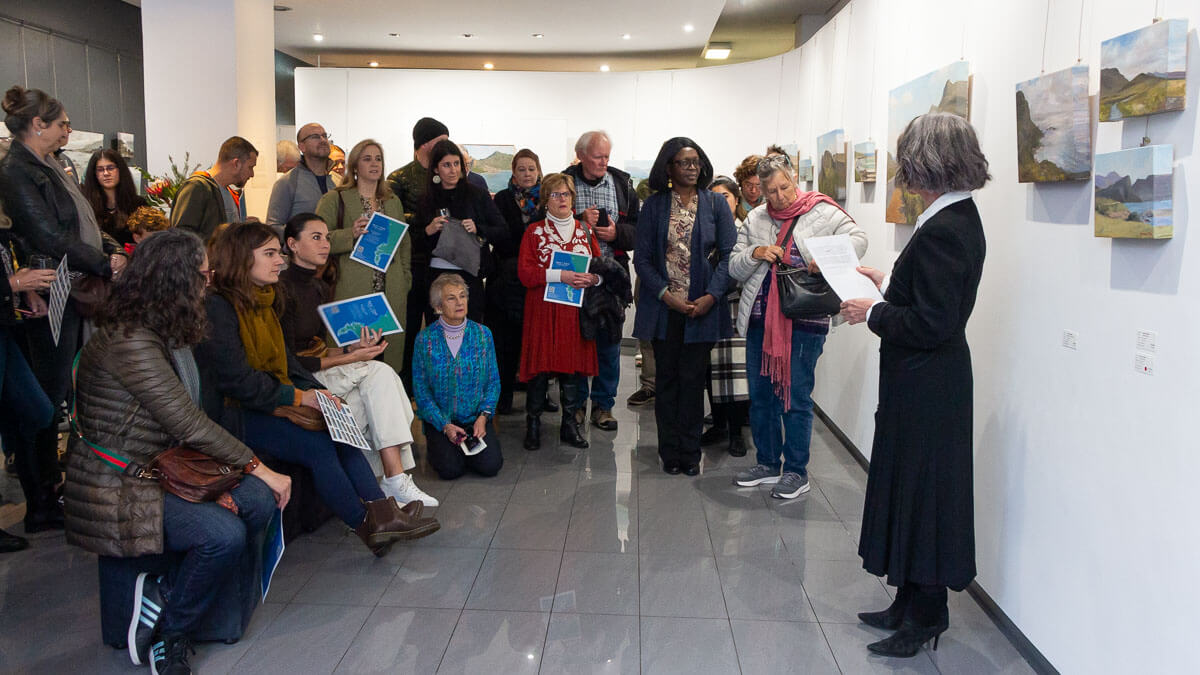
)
(551, 341)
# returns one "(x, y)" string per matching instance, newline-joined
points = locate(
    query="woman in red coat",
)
(551, 341)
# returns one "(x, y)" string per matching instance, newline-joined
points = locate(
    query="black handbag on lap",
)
(803, 295)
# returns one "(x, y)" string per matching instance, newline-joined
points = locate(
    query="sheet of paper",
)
(345, 319)
(562, 293)
(838, 262)
(342, 427)
(60, 290)
(272, 552)
(377, 246)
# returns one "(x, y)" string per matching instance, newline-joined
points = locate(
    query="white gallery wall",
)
(1088, 527)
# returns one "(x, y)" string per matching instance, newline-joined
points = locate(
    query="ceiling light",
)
(627, 36)
(374, 64)
(604, 68)
(282, 8)
(687, 28)
(468, 35)
(393, 35)
(718, 50)
(318, 37)
(489, 66)
(539, 35)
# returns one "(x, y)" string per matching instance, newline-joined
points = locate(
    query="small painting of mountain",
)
(493, 162)
(831, 158)
(1054, 135)
(804, 170)
(1133, 193)
(1144, 72)
(864, 162)
(947, 90)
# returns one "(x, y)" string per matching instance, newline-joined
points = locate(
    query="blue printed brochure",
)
(345, 319)
(272, 551)
(563, 293)
(377, 246)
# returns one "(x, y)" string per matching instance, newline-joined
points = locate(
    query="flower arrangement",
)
(161, 190)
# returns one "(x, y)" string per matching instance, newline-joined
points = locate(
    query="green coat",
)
(354, 278)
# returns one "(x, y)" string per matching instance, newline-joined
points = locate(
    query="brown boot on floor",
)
(386, 522)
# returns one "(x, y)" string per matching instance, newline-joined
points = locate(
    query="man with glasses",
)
(299, 190)
(600, 186)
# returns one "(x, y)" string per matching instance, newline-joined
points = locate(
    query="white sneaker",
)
(405, 490)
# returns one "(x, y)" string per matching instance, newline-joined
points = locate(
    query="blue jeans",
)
(604, 385)
(778, 432)
(24, 411)
(212, 540)
(342, 476)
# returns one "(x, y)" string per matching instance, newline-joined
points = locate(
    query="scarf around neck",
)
(777, 329)
(262, 336)
(89, 227)
(527, 199)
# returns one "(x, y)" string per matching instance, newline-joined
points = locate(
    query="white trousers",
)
(379, 403)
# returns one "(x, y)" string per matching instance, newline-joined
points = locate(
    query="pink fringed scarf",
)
(777, 329)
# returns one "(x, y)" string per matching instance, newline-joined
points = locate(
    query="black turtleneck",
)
(302, 293)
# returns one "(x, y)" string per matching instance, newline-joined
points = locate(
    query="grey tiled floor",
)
(569, 561)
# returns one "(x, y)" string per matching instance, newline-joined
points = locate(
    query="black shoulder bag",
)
(803, 295)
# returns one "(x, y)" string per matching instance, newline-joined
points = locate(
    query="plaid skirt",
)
(728, 363)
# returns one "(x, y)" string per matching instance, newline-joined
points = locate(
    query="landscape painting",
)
(864, 162)
(493, 162)
(946, 90)
(1054, 127)
(831, 177)
(80, 147)
(124, 146)
(1133, 193)
(638, 169)
(1144, 72)
(804, 170)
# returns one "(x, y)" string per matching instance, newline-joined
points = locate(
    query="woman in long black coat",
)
(918, 522)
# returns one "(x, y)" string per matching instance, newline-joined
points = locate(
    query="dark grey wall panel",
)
(111, 23)
(71, 80)
(12, 64)
(104, 80)
(133, 106)
(39, 68)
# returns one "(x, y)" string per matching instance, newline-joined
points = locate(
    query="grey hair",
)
(769, 166)
(939, 152)
(440, 285)
(287, 150)
(585, 141)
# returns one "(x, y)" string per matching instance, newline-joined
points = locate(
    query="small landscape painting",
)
(804, 170)
(1133, 193)
(1144, 72)
(1054, 127)
(80, 147)
(864, 162)
(831, 153)
(493, 162)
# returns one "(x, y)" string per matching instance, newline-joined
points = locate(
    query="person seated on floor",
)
(143, 222)
(138, 393)
(457, 384)
(372, 389)
(253, 383)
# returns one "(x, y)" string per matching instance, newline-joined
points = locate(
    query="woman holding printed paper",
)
(249, 377)
(551, 341)
(683, 244)
(782, 353)
(346, 210)
(372, 389)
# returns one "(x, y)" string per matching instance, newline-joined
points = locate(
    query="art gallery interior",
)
(1085, 378)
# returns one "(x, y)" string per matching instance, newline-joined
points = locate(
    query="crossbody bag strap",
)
(114, 460)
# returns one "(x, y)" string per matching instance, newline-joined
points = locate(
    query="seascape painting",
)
(1133, 193)
(1054, 127)
(80, 147)
(831, 153)
(864, 162)
(638, 169)
(804, 170)
(124, 146)
(944, 90)
(493, 162)
(1144, 72)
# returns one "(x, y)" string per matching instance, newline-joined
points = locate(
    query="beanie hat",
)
(426, 129)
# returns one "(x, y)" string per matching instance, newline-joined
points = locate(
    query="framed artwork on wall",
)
(1133, 193)
(1144, 72)
(1054, 127)
(831, 154)
(80, 147)
(493, 162)
(864, 162)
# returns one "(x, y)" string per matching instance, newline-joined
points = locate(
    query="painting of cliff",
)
(493, 162)
(831, 154)
(1144, 72)
(1054, 135)
(946, 90)
(864, 162)
(1133, 193)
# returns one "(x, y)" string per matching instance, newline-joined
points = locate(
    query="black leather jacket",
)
(43, 214)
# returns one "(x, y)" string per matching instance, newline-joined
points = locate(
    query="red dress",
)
(551, 341)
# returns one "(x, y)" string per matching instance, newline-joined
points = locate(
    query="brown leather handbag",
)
(302, 416)
(192, 475)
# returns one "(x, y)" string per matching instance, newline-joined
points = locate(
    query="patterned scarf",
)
(527, 199)
(262, 336)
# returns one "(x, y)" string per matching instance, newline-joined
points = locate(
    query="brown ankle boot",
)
(386, 523)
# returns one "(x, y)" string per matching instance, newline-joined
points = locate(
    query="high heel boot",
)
(569, 431)
(926, 619)
(890, 618)
(386, 523)
(533, 432)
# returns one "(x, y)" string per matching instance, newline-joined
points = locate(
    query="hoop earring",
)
(436, 179)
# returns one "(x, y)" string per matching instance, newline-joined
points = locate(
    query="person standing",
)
(209, 198)
(299, 190)
(748, 182)
(109, 186)
(919, 516)
(599, 186)
(683, 247)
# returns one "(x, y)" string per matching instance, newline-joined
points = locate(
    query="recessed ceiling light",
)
(282, 8)
(539, 35)
(627, 36)
(318, 37)
(687, 28)
(604, 68)
(489, 66)
(393, 35)
(374, 64)
(468, 35)
(718, 50)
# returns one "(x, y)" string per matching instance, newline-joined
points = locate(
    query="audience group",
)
(203, 330)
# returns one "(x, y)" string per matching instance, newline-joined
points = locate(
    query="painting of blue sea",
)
(493, 162)
(1144, 72)
(1133, 193)
(1054, 134)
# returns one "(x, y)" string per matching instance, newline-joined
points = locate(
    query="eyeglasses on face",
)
(687, 163)
(560, 195)
(312, 136)
(107, 168)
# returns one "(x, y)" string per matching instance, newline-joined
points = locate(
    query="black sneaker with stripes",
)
(147, 608)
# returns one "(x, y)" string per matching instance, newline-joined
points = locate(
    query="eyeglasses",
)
(560, 195)
(687, 163)
(312, 136)
(208, 276)
(110, 168)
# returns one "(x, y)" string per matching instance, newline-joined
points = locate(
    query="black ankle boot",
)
(533, 432)
(926, 618)
(43, 513)
(569, 432)
(892, 617)
(737, 445)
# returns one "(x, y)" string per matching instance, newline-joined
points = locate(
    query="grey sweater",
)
(297, 191)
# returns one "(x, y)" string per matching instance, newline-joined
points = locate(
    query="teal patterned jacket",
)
(453, 389)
